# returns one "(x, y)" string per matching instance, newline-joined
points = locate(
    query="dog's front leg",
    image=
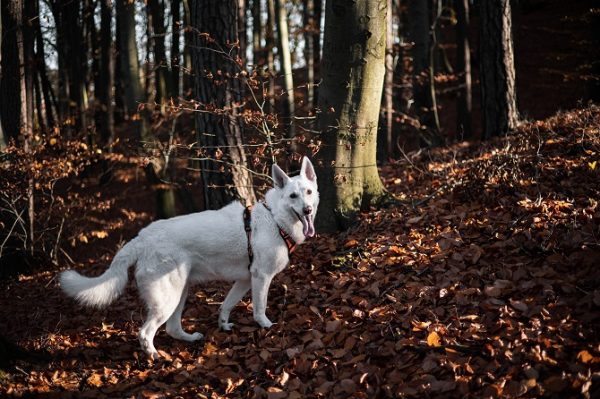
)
(260, 291)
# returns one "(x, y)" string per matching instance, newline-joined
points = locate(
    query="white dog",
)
(171, 255)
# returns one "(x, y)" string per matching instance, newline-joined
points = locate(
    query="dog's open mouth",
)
(308, 225)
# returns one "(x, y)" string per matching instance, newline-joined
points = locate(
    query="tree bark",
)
(104, 89)
(270, 45)
(131, 86)
(418, 16)
(225, 174)
(285, 58)
(257, 50)
(499, 98)
(175, 51)
(463, 57)
(353, 70)
(388, 93)
(161, 68)
(10, 100)
(309, 56)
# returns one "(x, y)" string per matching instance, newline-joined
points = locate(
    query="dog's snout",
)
(308, 210)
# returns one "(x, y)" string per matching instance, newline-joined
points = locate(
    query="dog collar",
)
(289, 241)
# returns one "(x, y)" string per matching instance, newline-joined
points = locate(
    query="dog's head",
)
(299, 194)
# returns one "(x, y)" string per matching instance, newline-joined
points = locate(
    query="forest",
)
(455, 146)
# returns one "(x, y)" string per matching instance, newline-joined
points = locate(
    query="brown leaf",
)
(433, 339)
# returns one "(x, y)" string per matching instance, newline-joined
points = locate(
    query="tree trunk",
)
(10, 100)
(388, 91)
(309, 49)
(285, 58)
(499, 98)
(463, 57)
(225, 174)
(2, 138)
(129, 64)
(418, 15)
(104, 89)
(353, 70)
(175, 51)
(242, 31)
(270, 45)
(257, 49)
(47, 91)
(161, 69)
(188, 37)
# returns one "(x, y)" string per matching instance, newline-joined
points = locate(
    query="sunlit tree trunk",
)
(285, 58)
(353, 70)
(499, 97)
(225, 175)
(463, 58)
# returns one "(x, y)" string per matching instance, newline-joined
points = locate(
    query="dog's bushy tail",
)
(102, 290)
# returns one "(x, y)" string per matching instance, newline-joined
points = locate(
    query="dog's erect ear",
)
(279, 177)
(308, 170)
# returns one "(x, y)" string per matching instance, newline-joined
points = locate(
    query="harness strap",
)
(289, 241)
(248, 228)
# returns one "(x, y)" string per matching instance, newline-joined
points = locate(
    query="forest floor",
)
(483, 281)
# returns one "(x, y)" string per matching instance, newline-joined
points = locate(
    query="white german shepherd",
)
(171, 255)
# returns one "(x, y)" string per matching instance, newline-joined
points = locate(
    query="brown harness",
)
(289, 242)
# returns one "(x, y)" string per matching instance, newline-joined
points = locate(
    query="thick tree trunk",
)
(131, 87)
(499, 98)
(2, 138)
(285, 59)
(353, 70)
(104, 89)
(225, 174)
(10, 101)
(463, 57)
(418, 16)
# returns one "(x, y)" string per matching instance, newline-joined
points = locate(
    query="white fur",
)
(171, 255)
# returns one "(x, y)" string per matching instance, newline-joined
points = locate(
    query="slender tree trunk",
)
(388, 91)
(309, 49)
(285, 58)
(499, 98)
(222, 90)
(161, 68)
(270, 45)
(188, 36)
(257, 49)
(318, 16)
(47, 91)
(353, 71)
(463, 57)
(242, 31)
(175, 51)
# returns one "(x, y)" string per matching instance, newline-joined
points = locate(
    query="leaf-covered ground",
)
(485, 281)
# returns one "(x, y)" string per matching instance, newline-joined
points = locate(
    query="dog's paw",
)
(264, 322)
(226, 326)
(196, 336)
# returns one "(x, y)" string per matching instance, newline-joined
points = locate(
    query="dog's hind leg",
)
(174, 328)
(237, 292)
(162, 295)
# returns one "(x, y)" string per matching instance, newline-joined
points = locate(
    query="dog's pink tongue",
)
(308, 227)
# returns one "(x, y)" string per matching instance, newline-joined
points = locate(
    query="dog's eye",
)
(309, 192)
(293, 195)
